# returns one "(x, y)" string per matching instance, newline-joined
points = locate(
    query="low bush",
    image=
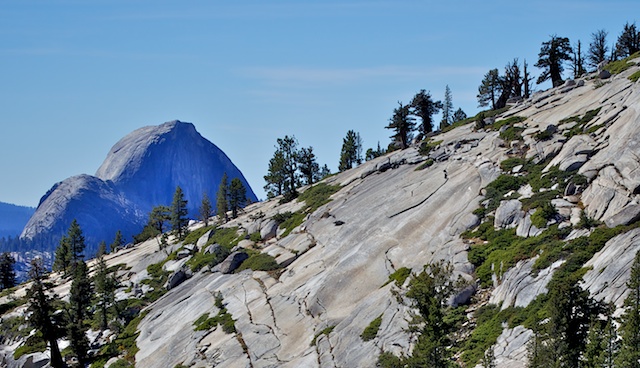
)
(635, 76)
(192, 237)
(371, 331)
(259, 262)
(325, 331)
(399, 276)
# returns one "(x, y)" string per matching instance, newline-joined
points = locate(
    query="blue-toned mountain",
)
(141, 171)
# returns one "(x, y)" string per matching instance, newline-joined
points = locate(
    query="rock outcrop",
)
(142, 170)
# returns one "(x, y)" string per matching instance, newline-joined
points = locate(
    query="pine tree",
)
(105, 287)
(371, 153)
(551, 57)
(76, 241)
(158, 216)
(80, 296)
(526, 80)
(205, 209)
(179, 220)
(118, 241)
(289, 148)
(490, 89)
(63, 258)
(42, 315)
(275, 175)
(598, 48)
(7, 272)
(324, 172)
(222, 203)
(577, 64)
(459, 115)
(237, 196)
(628, 41)
(447, 109)
(350, 154)
(630, 320)
(602, 342)
(309, 167)
(424, 107)
(402, 124)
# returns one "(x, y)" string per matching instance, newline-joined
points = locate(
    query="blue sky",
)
(79, 75)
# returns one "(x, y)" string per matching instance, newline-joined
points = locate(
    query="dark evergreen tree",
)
(324, 171)
(42, 316)
(371, 153)
(577, 64)
(598, 48)
(511, 84)
(447, 108)
(289, 148)
(490, 89)
(628, 41)
(424, 107)
(351, 152)
(602, 342)
(105, 286)
(553, 54)
(459, 115)
(7, 271)
(526, 80)
(403, 125)
(630, 320)
(179, 220)
(205, 209)
(76, 241)
(309, 167)
(118, 241)
(237, 196)
(62, 257)
(222, 199)
(158, 216)
(275, 178)
(80, 296)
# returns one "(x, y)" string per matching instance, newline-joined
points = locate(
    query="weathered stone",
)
(604, 74)
(183, 254)
(463, 297)
(202, 241)
(231, 263)
(627, 215)
(176, 279)
(508, 214)
(269, 230)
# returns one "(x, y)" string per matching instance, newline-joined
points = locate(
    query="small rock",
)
(183, 254)
(604, 74)
(269, 230)
(202, 241)
(176, 279)
(627, 215)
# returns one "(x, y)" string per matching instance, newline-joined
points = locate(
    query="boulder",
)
(269, 230)
(627, 215)
(604, 74)
(213, 249)
(463, 296)
(183, 253)
(231, 263)
(176, 278)
(202, 241)
(508, 214)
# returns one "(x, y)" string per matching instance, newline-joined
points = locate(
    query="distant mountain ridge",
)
(13, 218)
(141, 170)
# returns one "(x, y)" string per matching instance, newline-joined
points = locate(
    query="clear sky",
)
(76, 76)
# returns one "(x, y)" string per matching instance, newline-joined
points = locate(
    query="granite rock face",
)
(142, 170)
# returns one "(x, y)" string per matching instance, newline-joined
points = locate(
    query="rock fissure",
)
(421, 202)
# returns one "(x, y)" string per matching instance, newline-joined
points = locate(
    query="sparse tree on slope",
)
(42, 315)
(371, 153)
(275, 175)
(402, 123)
(222, 199)
(490, 89)
(511, 84)
(289, 148)
(351, 153)
(628, 41)
(526, 80)
(179, 220)
(158, 217)
(80, 296)
(553, 54)
(459, 115)
(577, 64)
(7, 272)
(205, 209)
(447, 108)
(309, 167)
(597, 52)
(424, 107)
(118, 241)
(105, 287)
(237, 196)
(62, 257)
(630, 321)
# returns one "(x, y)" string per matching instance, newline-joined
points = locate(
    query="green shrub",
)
(325, 331)
(226, 237)
(619, 66)
(255, 237)
(371, 331)
(33, 344)
(282, 217)
(388, 360)
(542, 215)
(223, 319)
(544, 135)
(259, 262)
(488, 328)
(192, 237)
(508, 164)
(512, 133)
(292, 222)
(635, 76)
(428, 163)
(399, 276)
(318, 195)
(428, 146)
(508, 121)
